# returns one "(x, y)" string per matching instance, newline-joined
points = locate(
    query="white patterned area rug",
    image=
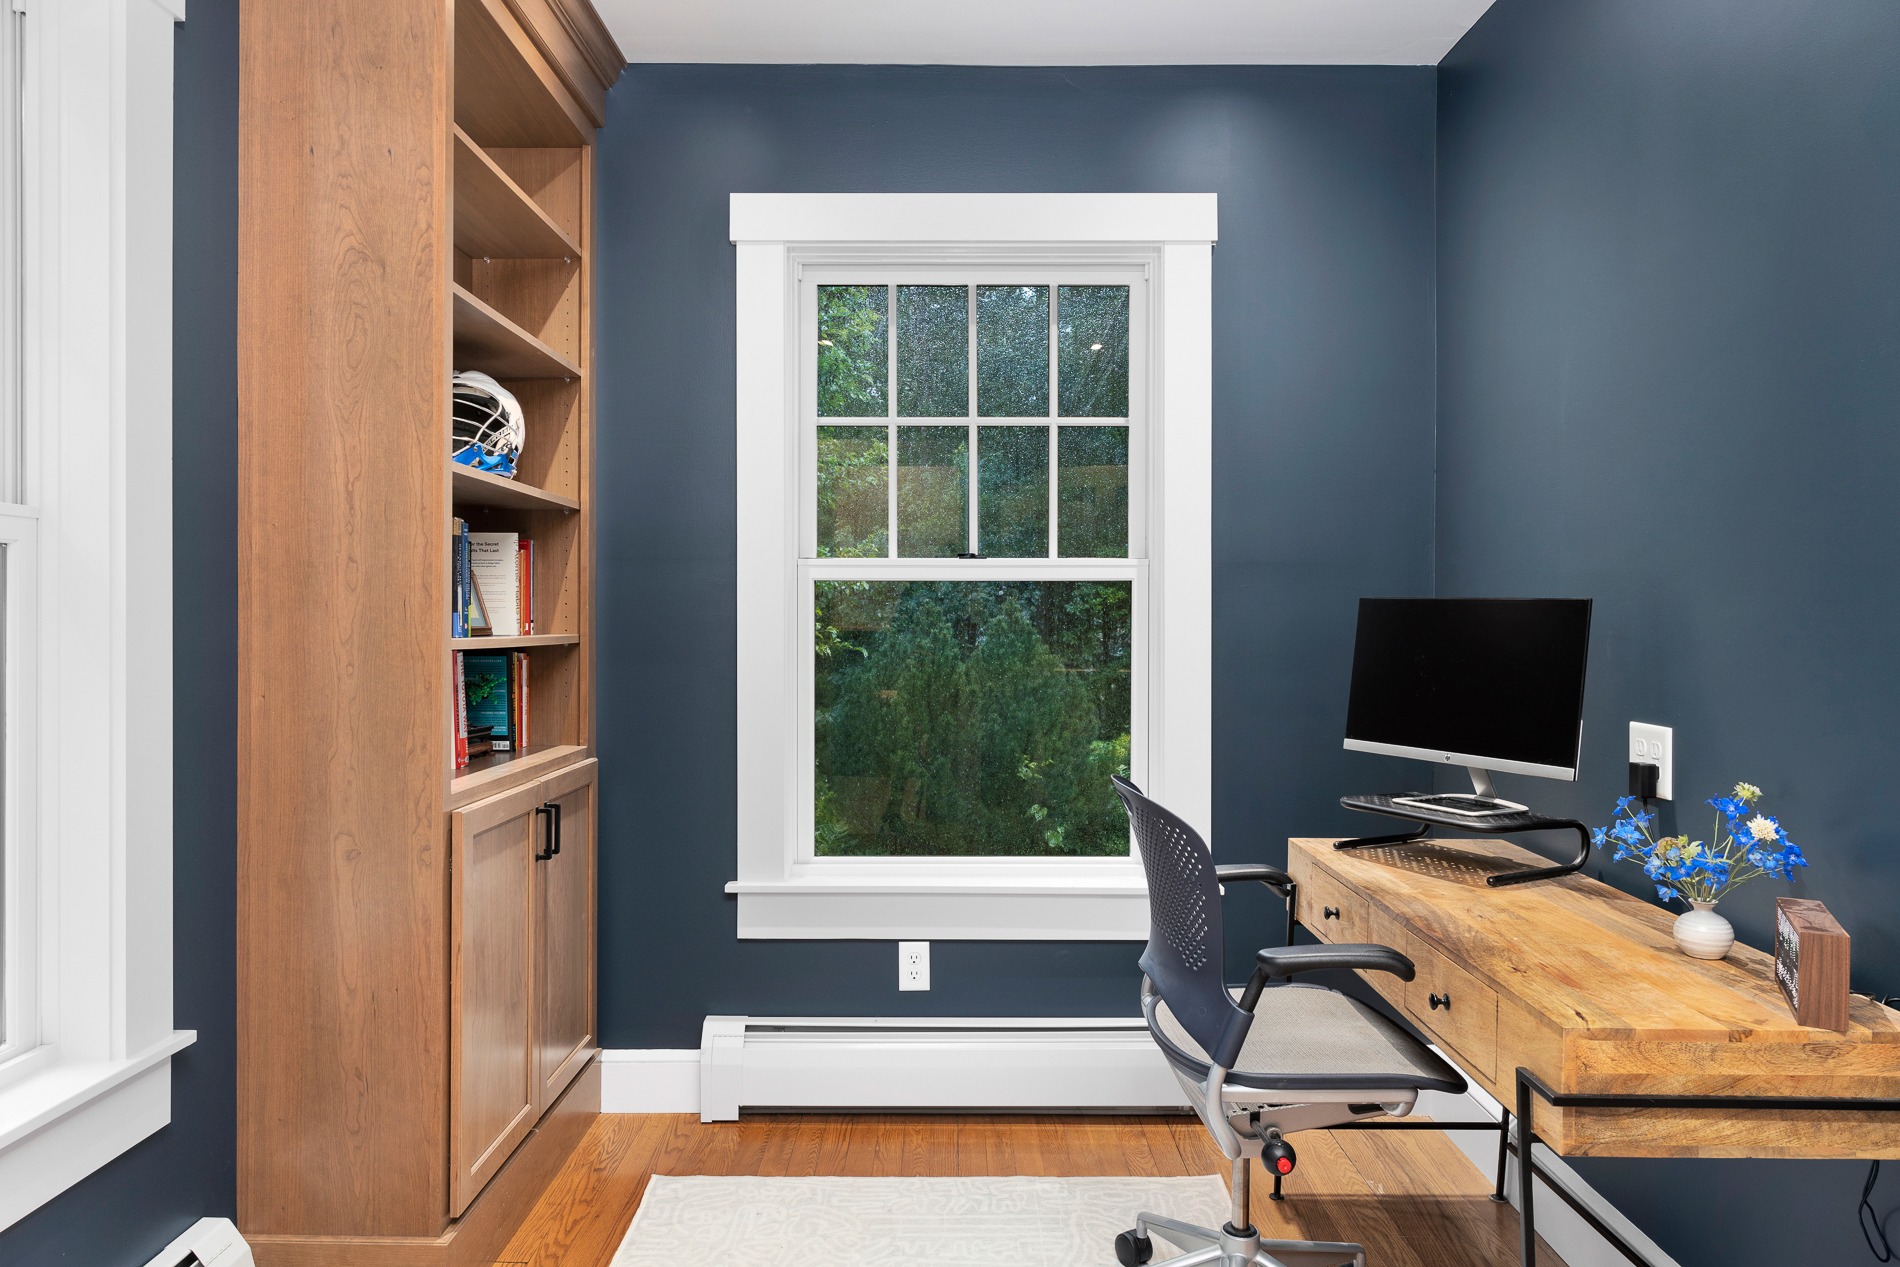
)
(855, 1222)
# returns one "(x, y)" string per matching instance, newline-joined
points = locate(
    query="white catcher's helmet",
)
(489, 428)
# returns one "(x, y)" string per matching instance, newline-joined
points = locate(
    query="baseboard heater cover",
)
(207, 1243)
(1013, 1063)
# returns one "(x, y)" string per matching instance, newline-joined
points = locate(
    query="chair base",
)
(1224, 1248)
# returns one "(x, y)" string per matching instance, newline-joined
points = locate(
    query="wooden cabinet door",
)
(493, 1086)
(564, 934)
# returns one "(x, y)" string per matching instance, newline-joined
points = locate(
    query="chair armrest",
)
(1284, 961)
(1272, 877)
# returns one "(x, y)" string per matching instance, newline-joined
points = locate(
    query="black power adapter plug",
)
(1643, 780)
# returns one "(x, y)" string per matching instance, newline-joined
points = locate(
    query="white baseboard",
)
(654, 1081)
(900, 1063)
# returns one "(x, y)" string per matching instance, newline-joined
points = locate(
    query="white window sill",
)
(64, 1120)
(1039, 904)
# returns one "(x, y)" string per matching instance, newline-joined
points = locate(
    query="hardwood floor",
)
(1410, 1197)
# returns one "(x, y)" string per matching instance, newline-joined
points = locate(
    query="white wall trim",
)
(98, 358)
(650, 1081)
(975, 218)
(75, 1119)
(1170, 237)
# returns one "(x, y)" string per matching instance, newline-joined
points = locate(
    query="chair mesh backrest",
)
(1184, 957)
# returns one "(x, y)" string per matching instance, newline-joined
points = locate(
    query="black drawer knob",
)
(1440, 1000)
(1330, 912)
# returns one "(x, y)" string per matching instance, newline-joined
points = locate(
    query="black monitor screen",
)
(1494, 678)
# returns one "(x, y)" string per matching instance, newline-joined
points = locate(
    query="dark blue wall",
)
(1669, 285)
(1323, 403)
(130, 1209)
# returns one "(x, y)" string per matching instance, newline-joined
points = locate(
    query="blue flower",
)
(1598, 836)
(1624, 802)
(1664, 893)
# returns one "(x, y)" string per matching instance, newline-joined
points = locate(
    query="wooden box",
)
(1811, 963)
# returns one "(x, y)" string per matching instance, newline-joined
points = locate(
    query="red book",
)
(461, 716)
(525, 585)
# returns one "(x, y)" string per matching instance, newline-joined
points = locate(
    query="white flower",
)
(1747, 793)
(1762, 828)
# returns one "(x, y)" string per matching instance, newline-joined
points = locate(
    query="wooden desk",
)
(1583, 985)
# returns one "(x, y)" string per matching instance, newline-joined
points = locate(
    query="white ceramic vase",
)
(1702, 934)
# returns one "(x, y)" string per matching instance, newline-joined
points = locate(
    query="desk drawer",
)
(1331, 911)
(1466, 1020)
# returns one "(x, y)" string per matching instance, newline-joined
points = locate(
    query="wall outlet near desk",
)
(913, 965)
(1655, 745)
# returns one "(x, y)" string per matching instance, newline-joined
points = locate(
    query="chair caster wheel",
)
(1132, 1250)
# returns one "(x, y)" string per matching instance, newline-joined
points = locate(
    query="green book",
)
(487, 677)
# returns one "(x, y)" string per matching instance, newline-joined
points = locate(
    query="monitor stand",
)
(1501, 822)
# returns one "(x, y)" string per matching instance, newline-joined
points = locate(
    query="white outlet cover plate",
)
(911, 977)
(1656, 745)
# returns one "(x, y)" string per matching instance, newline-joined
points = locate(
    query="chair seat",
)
(1310, 1038)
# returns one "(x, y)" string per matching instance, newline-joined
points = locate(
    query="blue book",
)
(464, 585)
(458, 605)
(488, 678)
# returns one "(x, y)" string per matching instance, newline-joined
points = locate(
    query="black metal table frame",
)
(1529, 1083)
(1524, 1148)
(1532, 822)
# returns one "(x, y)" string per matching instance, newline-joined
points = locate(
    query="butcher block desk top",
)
(1583, 985)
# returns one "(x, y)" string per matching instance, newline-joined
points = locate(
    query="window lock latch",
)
(969, 556)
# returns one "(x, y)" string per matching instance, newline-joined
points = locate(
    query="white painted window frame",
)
(783, 893)
(89, 691)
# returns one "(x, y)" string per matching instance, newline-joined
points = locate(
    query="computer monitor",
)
(1486, 683)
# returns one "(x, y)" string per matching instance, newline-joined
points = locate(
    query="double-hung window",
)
(972, 472)
(86, 1029)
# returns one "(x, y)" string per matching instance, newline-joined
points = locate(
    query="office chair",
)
(1261, 1062)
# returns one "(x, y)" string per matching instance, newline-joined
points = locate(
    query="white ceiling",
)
(1042, 32)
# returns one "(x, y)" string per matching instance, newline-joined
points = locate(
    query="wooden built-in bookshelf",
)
(520, 299)
(415, 992)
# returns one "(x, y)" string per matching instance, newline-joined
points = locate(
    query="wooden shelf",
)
(506, 94)
(495, 218)
(479, 488)
(487, 341)
(515, 642)
(497, 772)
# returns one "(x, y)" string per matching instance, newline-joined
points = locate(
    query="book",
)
(467, 578)
(518, 701)
(523, 737)
(489, 686)
(455, 578)
(526, 585)
(460, 722)
(493, 561)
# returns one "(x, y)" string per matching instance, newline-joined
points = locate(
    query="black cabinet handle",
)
(1330, 912)
(553, 813)
(556, 807)
(1440, 1000)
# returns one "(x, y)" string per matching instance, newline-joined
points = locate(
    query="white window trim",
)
(976, 899)
(90, 883)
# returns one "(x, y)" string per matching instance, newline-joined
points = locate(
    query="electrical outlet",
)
(913, 965)
(1656, 745)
